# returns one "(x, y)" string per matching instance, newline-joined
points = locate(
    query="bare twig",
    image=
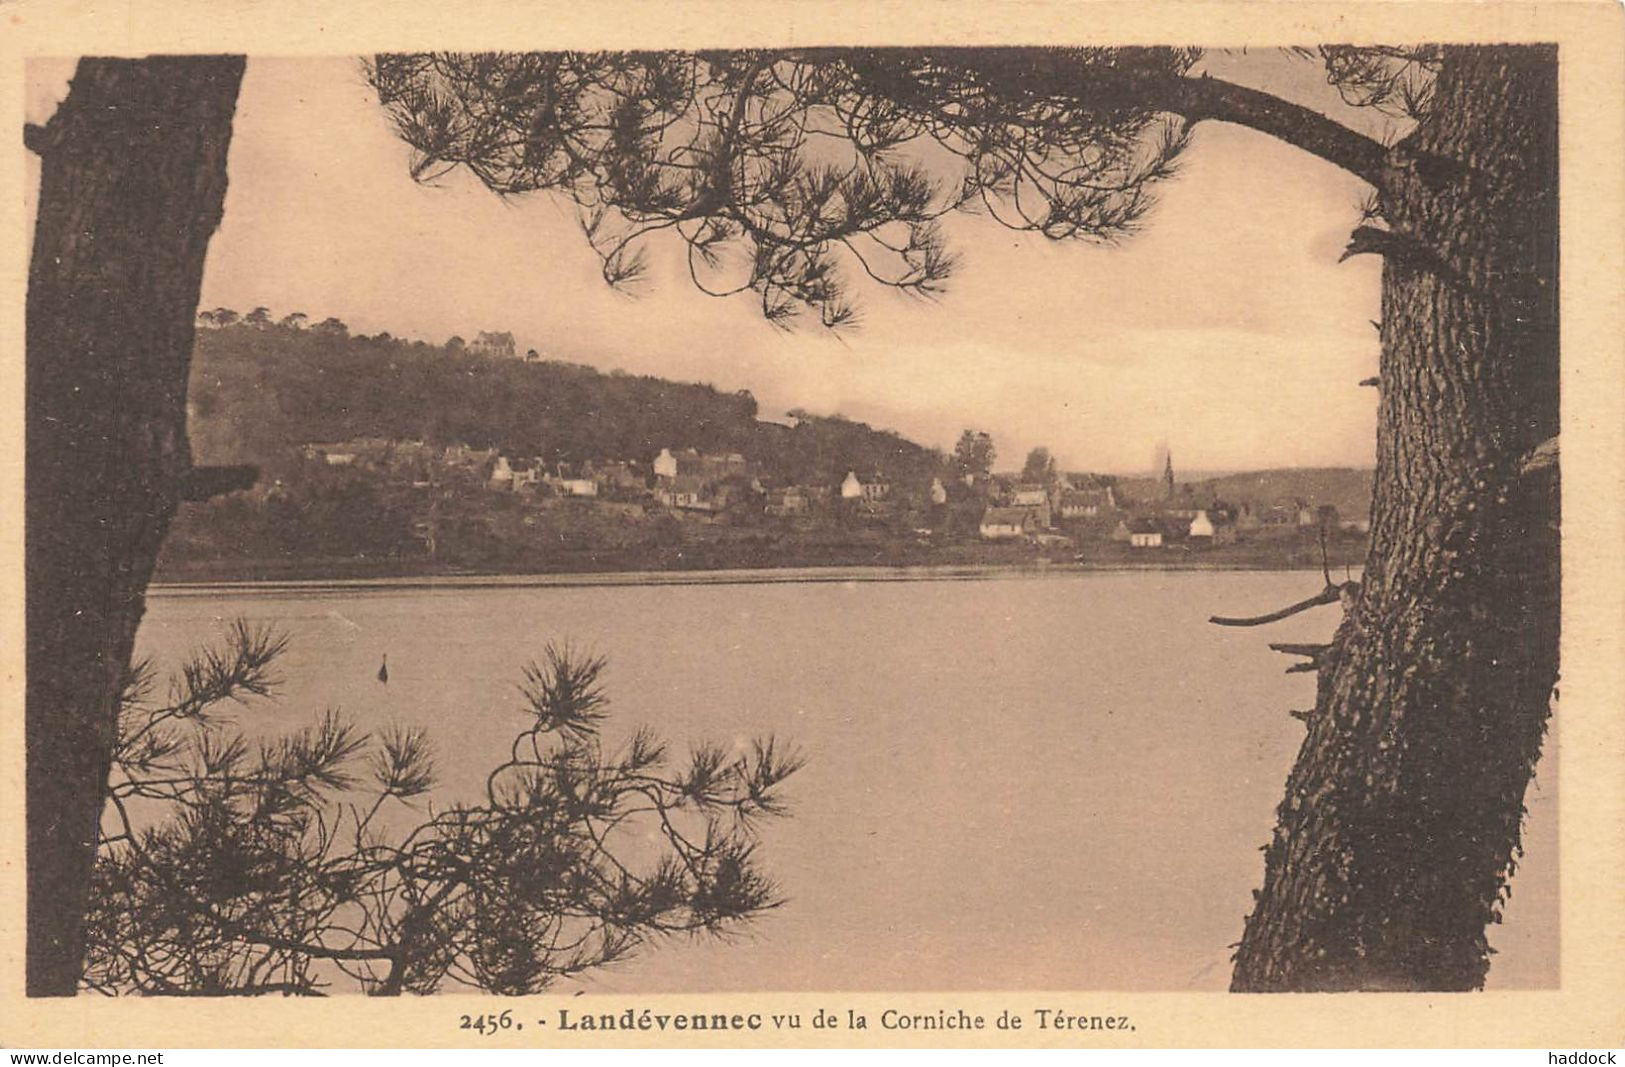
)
(1328, 595)
(205, 483)
(1312, 651)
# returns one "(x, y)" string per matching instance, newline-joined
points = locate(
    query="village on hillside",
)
(418, 505)
(563, 496)
(1067, 510)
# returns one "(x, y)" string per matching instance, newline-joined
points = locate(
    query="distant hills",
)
(1348, 489)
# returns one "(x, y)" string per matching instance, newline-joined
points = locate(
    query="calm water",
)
(1055, 782)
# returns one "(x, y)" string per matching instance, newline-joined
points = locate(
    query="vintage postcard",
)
(813, 525)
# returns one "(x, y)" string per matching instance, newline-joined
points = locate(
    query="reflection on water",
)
(1054, 782)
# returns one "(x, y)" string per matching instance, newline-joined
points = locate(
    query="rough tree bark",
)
(1402, 815)
(133, 177)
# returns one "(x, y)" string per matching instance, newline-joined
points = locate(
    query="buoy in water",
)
(383, 670)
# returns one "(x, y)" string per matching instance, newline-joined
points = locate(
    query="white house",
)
(577, 487)
(939, 494)
(333, 455)
(869, 489)
(665, 464)
(1215, 527)
(1145, 533)
(685, 493)
(526, 473)
(1006, 524)
(785, 502)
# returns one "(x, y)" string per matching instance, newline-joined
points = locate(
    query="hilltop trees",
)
(317, 385)
(217, 318)
(1402, 816)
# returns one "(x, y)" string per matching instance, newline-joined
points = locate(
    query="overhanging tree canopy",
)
(774, 168)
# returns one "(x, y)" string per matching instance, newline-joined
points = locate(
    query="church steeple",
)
(1168, 476)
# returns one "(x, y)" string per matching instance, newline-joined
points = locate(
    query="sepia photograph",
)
(810, 516)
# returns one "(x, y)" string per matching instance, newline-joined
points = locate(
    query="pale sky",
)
(1226, 328)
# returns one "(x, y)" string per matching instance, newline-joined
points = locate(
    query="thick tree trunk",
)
(1401, 822)
(132, 182)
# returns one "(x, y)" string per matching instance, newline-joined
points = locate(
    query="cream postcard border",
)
(1588, 1009)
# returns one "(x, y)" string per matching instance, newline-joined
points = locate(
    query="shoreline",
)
(788, 575)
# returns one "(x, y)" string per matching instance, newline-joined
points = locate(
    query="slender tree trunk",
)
(133, 177)
(1401, 822)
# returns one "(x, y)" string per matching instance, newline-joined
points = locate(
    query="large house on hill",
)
(491, 343)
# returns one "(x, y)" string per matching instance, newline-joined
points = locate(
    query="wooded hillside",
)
(258, 392)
